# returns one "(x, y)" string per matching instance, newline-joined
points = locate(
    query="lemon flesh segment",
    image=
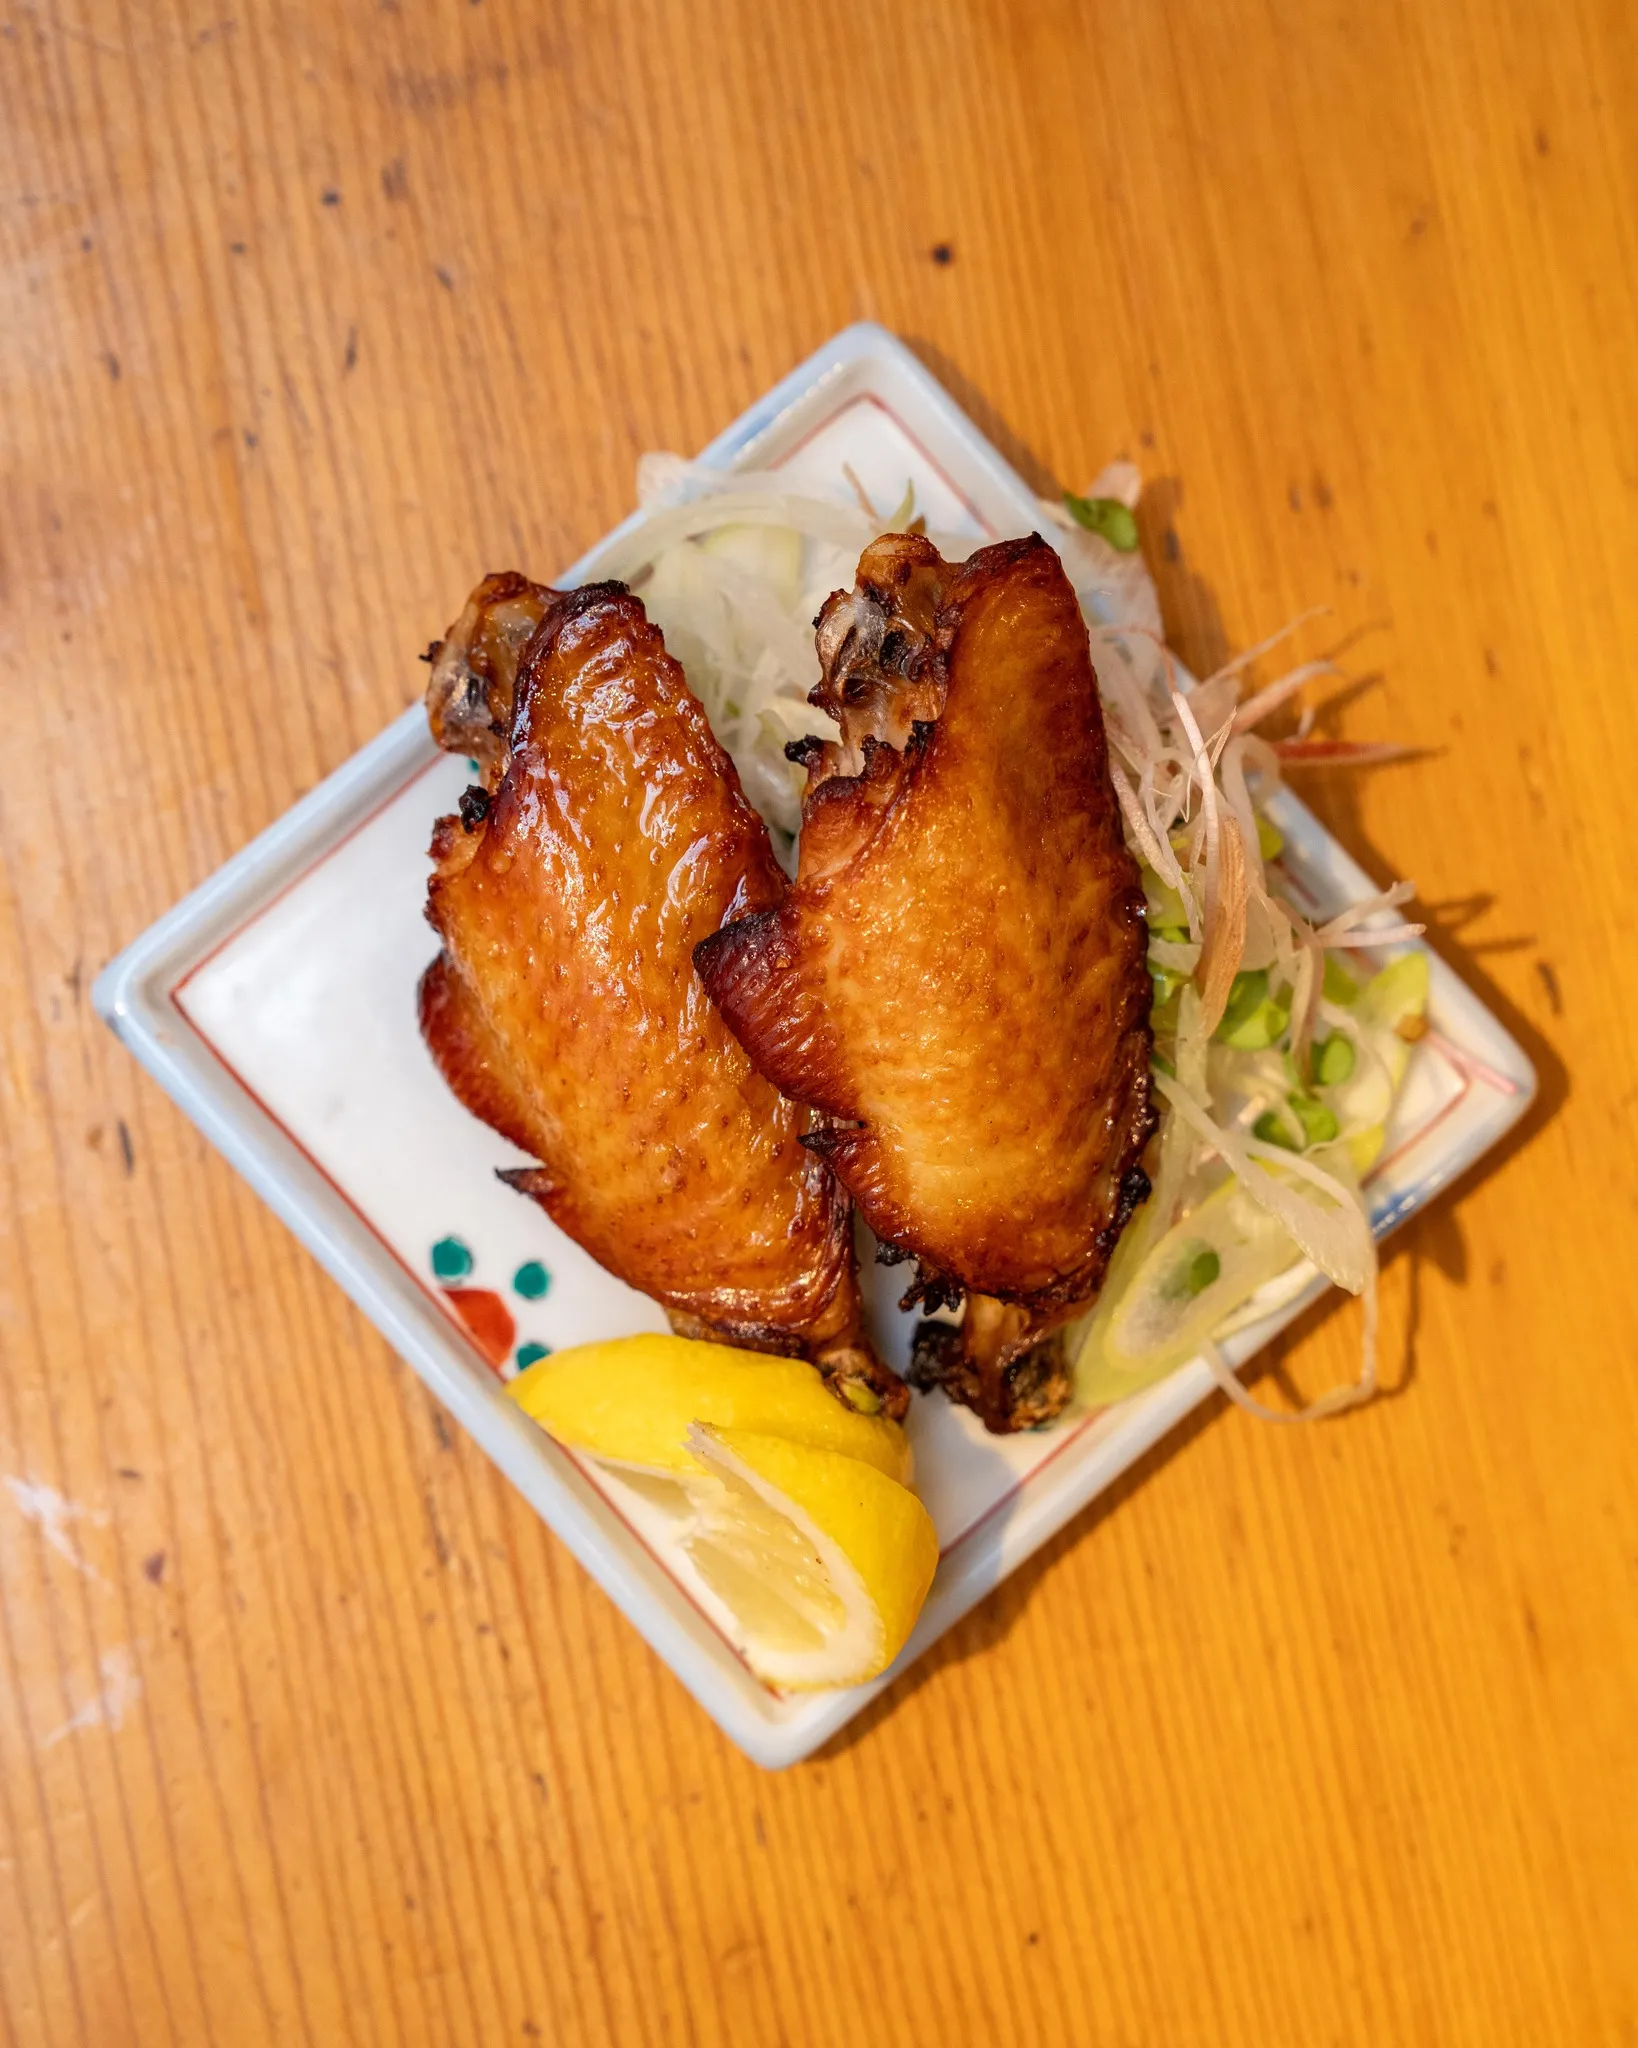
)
(823, 1560)
(633, 1398)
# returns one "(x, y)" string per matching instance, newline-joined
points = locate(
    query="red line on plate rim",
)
(1070, 1436)
(432, 1294)
(909, 433)
(295, 882)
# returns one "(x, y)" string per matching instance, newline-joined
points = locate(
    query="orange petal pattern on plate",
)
(488, 1321)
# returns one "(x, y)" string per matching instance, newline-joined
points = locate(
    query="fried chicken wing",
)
(608, 837)
(957, 978)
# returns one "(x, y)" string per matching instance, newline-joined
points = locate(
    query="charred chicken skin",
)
(957, 978)
(608, 836)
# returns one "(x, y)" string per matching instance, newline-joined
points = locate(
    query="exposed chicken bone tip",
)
(875, 643)
(471, 691)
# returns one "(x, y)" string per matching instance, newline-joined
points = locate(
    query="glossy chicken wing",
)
(609, 837)
(957, 977)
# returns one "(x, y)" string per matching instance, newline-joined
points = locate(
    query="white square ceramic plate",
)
(276, 1005)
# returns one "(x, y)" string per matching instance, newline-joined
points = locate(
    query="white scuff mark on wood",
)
(106, 1707)
(52, 1513)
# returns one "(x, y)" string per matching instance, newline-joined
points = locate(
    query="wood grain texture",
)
(310, 314)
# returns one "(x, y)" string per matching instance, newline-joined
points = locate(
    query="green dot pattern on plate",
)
(531, 1354)
(531, 1279)
(451, 1260)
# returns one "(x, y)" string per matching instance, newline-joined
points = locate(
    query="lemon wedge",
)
(822, 1560)
(633, 1399)
(792, 1510)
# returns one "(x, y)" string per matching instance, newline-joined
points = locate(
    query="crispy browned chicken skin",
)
(609, 836)
(957, 976)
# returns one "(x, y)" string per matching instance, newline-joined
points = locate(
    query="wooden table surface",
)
(309, 1732)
